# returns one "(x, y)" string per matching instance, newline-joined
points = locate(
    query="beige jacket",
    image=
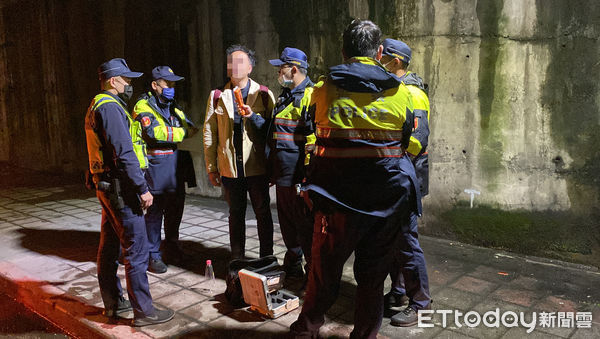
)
(219, 152)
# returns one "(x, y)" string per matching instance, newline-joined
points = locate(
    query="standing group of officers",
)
(342, 154)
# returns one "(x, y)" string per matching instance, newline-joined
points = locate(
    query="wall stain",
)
(569, 94)
(490, 161)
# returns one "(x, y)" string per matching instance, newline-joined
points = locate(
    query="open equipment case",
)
(264, 295)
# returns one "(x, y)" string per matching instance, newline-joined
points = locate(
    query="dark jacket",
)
(376, 186)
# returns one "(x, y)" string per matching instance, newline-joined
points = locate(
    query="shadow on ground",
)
(82, 246)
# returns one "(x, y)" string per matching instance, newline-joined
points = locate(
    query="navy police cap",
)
(292, 56)
(116, 67)
(166, 73)
(397, 49)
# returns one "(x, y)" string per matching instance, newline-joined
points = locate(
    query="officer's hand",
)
(215, 178)
(146, 200)
(246, 111)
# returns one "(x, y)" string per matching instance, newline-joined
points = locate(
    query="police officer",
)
(411, 270)
(164, 125)
(116, 156)
(360, 180)
(289, 131)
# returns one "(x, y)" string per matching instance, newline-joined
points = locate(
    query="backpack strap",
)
(264, 94)
(216, 96)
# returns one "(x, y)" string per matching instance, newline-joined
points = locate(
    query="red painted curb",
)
(73, 316)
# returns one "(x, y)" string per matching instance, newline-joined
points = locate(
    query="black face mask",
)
(127, 93)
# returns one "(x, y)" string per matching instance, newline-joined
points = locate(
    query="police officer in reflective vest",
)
(289, 131)
(360, 180)
(116, 159)
(411, 267)
(164, 125)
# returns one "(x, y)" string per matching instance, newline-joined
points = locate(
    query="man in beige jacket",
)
(234, 149)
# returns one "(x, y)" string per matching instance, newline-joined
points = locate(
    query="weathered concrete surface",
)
(513, 112)
(513, 84)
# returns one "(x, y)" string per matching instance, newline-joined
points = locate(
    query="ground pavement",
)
(49, 237)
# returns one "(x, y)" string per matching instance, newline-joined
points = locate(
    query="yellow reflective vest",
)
(95, 154)
(420, 134)
(161, 131)
(286, 122)
(359, 124)
(363, 116)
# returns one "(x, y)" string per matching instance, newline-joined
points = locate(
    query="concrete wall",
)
(514, 98)
(513, 84)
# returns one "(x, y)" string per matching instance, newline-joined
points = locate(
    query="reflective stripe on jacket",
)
(114, 142)
(158, 131)
(290, 128)
(363, 116)
(162, 135)
(95, 154)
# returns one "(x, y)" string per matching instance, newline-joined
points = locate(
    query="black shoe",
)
(157, 266)
(405, 318)
(159, 317)
(394, 302)
(123, 305)
(294, 271)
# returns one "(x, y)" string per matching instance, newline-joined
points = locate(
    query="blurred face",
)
(238, 65)
(160, 84)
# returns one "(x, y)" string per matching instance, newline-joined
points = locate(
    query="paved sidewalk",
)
(49, 237)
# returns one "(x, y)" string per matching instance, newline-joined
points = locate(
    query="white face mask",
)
(287, 83)
(387, 63)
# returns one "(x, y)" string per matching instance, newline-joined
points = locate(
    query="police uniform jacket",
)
(110, 125)
(363, 117)
(420, 134)
(288, 134)
(419, 139)
(164, 125)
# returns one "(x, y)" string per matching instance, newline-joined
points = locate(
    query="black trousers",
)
(236, 190)
(170, 207)
(296, 226)
(409, 272)
(124, 228)
(336, 235)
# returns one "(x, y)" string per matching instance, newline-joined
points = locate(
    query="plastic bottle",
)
(209, 276)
